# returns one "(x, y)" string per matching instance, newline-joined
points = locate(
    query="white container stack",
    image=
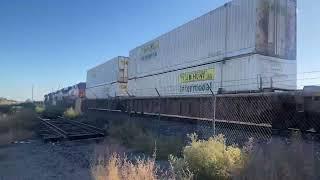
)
(108, 79)
(247, 41)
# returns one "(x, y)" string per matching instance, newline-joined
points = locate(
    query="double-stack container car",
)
(245, 45)
(242, 46)
(108, 79)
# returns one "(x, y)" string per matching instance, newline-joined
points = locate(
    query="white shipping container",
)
(107, 91)
(240, 27)
(245, 73)
(108, 79)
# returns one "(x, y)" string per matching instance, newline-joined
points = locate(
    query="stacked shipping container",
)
(248, 73)
(243, 45)
(108, 79)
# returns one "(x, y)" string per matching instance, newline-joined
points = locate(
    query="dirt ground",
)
(34, 159)
(37, 160)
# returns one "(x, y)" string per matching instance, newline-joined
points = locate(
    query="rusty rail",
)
(62, 129)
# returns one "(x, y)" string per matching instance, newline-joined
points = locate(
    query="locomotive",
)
(66, 96)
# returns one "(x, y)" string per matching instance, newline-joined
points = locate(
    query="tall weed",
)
(120, 168)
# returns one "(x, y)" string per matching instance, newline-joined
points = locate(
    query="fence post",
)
(159, 99)
(261, 83)
(129, 102)
(214, 111)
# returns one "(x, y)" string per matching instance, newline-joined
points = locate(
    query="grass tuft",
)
(70, 113)
(120, 168)
(40, 109)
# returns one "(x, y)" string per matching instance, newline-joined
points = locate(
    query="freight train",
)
(243, 46)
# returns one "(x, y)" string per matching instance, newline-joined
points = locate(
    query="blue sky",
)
(51, 43)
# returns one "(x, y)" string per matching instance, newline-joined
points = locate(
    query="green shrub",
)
(39, 109)
(70, 113)
(212, 158)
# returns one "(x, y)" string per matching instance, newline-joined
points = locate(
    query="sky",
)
(51, 43)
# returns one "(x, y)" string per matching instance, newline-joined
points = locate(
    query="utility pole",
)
(32, 93)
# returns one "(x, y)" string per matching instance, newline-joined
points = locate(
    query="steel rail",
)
(54, 128)
(87, 126)
(68, 132)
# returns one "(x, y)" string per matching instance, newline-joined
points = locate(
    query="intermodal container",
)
(240, 27)
(108, 79)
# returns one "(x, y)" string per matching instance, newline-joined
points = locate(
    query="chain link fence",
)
(283, 126)
(259, 114)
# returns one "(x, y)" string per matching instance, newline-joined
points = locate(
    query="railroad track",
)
(61, 129)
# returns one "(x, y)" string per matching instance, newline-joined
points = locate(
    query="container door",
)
(123, 70)
(282, 28)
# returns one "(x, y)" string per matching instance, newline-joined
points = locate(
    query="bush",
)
(212, 158)
(70, 113)
(39, 109)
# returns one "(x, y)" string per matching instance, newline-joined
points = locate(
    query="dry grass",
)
(111, 163)
(294, 159)
(280, 159)
(6, 101)
(119, 168)
(135, 135)
(17, 126)
(180, 168)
